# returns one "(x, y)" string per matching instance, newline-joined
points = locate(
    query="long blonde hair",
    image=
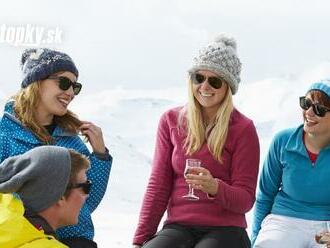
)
(25, 105)
(196, 132)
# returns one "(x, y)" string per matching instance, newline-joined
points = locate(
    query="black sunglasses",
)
(215, 82)
(86, 186)
(318, 109)
(65, 83)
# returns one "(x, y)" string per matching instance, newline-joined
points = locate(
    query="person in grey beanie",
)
(206, 160)
(39, 115)
(45, 199)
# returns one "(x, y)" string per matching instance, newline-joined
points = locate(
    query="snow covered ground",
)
(129, 121)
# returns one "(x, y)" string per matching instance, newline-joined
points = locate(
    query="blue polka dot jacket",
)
(16, 139)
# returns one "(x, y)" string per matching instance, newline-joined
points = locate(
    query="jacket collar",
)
(296, 144)
(39, 222)
(15, 129)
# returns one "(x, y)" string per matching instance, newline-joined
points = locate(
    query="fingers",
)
(95, 136)
(90, 131)
(90, 128)
(198, 175)
(203, 180)
(195, 172)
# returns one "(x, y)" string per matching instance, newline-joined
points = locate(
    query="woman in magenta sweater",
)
(211, 129)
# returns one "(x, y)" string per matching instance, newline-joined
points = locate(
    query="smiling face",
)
(208, 97)
(53, 100)
(313, 124)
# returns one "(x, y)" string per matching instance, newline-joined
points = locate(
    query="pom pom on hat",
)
(226, 40)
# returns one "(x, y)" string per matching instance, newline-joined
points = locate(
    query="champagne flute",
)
(191, 163)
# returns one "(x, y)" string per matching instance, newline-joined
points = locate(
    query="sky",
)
(150, 43)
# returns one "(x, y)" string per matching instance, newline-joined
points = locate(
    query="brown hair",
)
(78, 162)
(26, 102)
(321, 97)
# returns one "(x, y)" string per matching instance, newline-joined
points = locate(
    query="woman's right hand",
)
(137, 246)
(323, 238)
(94, 135)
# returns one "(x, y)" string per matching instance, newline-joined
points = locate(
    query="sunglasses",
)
(215, 82)
(65, 83)
(318, 109)
(86, 186)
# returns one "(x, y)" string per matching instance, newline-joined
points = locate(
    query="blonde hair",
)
(196, 133)
(25, 105)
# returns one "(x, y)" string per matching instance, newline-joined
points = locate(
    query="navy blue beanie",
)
(39, 63)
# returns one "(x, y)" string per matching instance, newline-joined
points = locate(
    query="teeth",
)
(310, 121)
(64, 101)
(206, 94)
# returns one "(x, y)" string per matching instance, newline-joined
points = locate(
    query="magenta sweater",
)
(237, 179)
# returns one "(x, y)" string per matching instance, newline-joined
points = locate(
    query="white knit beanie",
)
(220, 57)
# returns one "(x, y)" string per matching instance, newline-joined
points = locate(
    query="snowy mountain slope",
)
(129, 121)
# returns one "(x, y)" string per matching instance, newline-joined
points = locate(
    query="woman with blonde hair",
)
(38, 115)
(211, 132)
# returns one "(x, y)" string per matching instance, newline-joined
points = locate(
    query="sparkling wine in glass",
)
(191, 163)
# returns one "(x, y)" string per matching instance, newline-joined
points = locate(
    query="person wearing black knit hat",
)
(48, 198)
(205, 203)
(37, 64)
(38, 115)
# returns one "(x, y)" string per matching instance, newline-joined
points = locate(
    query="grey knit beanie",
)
(39, 63)
(220, 57)
(39, 176)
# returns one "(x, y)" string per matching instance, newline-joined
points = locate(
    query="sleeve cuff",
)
(213, 197)
(103, 156)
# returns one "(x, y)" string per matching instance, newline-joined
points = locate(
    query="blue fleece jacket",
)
(290, 185)
(16, 139)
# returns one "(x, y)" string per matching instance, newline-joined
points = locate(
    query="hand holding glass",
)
(323, 236)
(191, 163)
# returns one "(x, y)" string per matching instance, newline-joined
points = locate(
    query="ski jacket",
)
(16, 139)
(17, 231)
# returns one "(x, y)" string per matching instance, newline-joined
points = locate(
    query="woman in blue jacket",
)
(38, 115)
(293, 202)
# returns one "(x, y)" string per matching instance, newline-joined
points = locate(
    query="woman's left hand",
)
(201, 178)
(94, 135)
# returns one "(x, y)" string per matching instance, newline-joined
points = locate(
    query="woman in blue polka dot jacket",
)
(38, 115)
